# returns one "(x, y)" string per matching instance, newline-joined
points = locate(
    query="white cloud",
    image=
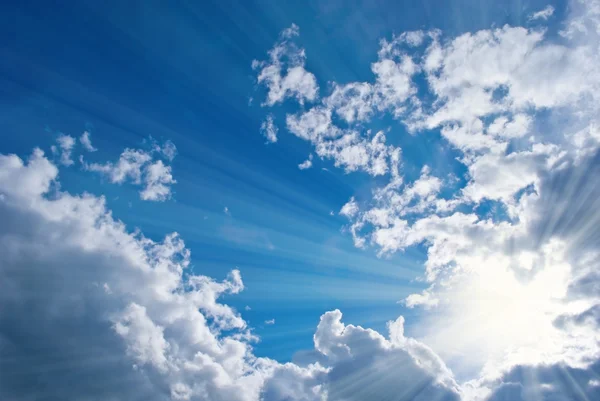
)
(470, 138)
(406, 368)
(495, 176)
(352, 102)
(284, 74)
(163, 329)
(393, 86)
(26, 181)
(140, 167)
(353, 152)
(306, 164)
(83, 297)
(269, 129)
(350, 209)
(518, 127)
(543, 14)
(347, 148)
(129, 166)
(270, 321)
(394, 82)
(425, 299)
(145, 340)
(354, 149)
(86, 141)
(313, 124)
(157, 182)
(66, 143)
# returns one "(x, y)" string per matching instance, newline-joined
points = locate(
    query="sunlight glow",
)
(492, 314)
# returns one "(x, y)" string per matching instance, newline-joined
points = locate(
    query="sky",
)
(318, 200)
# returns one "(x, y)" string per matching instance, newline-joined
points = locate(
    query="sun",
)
(500, 307)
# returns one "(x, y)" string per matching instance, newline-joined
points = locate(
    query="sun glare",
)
(498, 311)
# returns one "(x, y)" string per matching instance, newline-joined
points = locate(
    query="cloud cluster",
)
(93, 311)
(520, 107)
(141, 167)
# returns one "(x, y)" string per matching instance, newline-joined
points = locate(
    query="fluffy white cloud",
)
(352, 102)
(366, 364)
(86, 141)
(26, 182)
(424, 299)
(129, 166)
(354, 152)
(516, 128)
(157, 181)
(284, 74)
(82, 296)
(350, 147)
(496, 176)
(313, 125)
(140, 167)
(350, 209)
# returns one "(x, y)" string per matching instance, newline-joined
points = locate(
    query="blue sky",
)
(84, 67)
(140, 75)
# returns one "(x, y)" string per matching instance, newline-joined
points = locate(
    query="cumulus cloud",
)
(350, 147)
(157, 181)
(519, 107)
(26, 181)
(141, 167)
(366, 364)
(83, 297)
(105, 303)
(284, 74)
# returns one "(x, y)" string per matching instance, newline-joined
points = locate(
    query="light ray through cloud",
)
(405, 209)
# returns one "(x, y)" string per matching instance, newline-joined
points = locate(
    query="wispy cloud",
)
(544, 14)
